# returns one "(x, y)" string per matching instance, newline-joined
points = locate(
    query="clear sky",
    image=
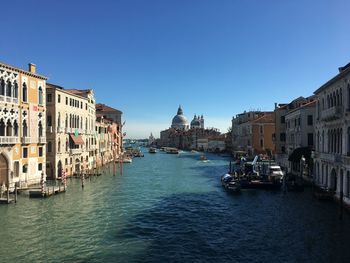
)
(145, 57)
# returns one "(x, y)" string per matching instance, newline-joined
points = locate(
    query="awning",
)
(296, 155)
(77, 139)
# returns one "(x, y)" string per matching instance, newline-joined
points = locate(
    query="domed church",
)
(180, 120)
(197, 122)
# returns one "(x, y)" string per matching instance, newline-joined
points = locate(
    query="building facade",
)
(71, 133)
(252, 132)
(22, 126)
(332, 155)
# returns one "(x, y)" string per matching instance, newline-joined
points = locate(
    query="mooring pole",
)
(15, 192)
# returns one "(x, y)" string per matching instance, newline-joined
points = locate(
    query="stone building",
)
(115, 127)
(22, 125)
(71, 134)
(332, 155)
(285, 139)
(252, 132)
(300, 135)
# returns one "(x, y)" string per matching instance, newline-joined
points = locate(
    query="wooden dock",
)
(4, 201)
(51, 190)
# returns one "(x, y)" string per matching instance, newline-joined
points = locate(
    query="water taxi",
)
(152, 150)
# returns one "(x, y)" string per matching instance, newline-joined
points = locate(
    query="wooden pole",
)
(16, 193)
(341, 204)
(8, 192)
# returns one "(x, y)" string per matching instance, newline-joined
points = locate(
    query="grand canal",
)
(169, 208)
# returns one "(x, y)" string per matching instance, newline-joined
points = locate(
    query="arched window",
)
(9, 88)
(40, 95)
(59, 120)
(15, 90)
(2, 127)
(341, 97)
(67, 144)
(322, 141)
(59, 145)
(8, 128)
(70, 120)
(24, 92)
(337, 100)
(66, 121)
(25, 129)
(40, 129)
(2, 87)
(15, 128)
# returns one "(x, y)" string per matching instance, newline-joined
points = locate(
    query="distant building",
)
(109, 113)
(180, 121)
(180, 135)
(252, 132)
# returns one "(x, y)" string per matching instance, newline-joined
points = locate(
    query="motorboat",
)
(152, 150)
(172, 150)
(230, 183)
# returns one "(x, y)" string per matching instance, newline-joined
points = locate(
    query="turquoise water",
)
(170, 208)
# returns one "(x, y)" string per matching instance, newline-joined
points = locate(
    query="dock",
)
(5, 201)
(36, 193)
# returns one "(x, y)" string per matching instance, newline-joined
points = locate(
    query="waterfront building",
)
(217, 143)
(286, 143)
(252, 132)
(332, 155)
(300, 137)
(114, 128)
(22, 126)
(71, 135)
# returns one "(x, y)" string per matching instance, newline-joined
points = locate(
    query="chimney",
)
(275, 105)
(32, 68)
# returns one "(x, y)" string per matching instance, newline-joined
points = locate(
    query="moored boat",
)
(172, 150)
(230, 183)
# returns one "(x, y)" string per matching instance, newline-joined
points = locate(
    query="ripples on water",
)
(166, 208)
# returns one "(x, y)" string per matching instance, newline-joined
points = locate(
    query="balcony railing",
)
(25, 140)
(60, 129)
(76, 151)
(42, 139)
(8, 99)
(9, 140)
(332, 113)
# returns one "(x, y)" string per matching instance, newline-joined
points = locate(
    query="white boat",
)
(152, 150)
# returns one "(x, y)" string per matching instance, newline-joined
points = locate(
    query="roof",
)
(305, 105)
(22, 71)
(54, 86)
(342, 72)
(266, 118)
(100, 107)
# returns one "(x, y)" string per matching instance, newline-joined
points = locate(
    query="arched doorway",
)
(3, 170)
(59, 168)
(333, 181)
(77, 165)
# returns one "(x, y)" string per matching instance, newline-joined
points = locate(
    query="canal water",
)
(171, 208)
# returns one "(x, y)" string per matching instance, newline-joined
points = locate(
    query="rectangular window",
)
(66, 161)
(261, 130)
(283, 119)
(40, 151)
(24, 152)
(309, 120)
(49, 121)
(40, 166)
(310, 139)
(282, 137)
(81, 105)
(66, 100)
(59, 98)
(25, 168)
(49, 98)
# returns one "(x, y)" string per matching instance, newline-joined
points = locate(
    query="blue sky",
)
(216, 58)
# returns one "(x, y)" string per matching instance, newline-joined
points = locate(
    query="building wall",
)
(22, 109)
(332, 161)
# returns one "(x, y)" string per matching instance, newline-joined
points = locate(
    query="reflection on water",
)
(170, 208)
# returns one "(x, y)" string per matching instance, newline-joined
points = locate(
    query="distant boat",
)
(203, 158)
(172, 150)
(152, 150)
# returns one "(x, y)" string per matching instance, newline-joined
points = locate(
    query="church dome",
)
(195, 122)
(179, 121)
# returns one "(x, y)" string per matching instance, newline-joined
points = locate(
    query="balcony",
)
(8, 99)
(60, 129)
(42, 139)
(76, 151)
(332, 113)
(25, 140)
(9, 140)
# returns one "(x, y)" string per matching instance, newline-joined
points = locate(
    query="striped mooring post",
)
(82, 180)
